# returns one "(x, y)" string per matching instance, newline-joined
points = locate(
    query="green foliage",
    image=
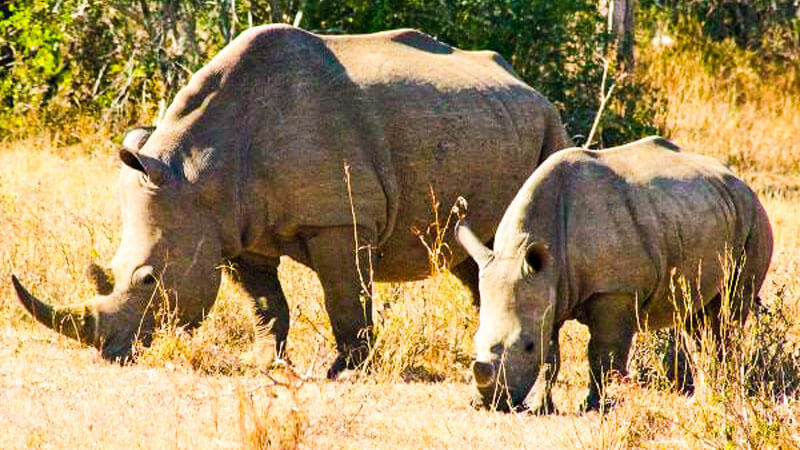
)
(119, 61)
(769, 25)
(556, 47)
(113, 61)
(761, 36)
(33, 64)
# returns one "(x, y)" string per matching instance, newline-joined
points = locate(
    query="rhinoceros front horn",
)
(474, 247)
(78, 323)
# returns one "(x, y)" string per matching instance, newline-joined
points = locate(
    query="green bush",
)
(772, 26)
(762, 36)
(120, 61)
(556, 47)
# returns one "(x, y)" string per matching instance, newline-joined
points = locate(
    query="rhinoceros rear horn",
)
(76, 323)
(102, 278)
(479, 252)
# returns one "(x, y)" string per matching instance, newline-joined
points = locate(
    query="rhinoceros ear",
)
(154, 169)
(479, 252)
(135, 138)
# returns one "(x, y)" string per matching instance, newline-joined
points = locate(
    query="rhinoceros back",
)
(629, 219)
(406, 114)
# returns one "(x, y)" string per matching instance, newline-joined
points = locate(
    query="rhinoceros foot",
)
(345, 360)
(593, 402)
(263, 355)
(677, 367)
(543, 408)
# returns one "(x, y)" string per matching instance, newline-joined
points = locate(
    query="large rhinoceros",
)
(595, 236)
(248, 165)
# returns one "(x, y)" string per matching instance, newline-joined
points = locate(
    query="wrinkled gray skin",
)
(248, 165)
(594, 236)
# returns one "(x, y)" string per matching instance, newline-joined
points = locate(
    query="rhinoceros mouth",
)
(500, 397)
(501, 403)
(121, 352)
(120, 346)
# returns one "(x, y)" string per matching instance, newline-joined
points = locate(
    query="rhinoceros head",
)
(516, 317)
(166, 261)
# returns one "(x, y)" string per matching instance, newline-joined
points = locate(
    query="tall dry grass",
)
(60, 211)
(728, 109)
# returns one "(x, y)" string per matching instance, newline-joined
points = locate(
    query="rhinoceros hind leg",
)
(332, 255)
(259, 278)
(677, 360)
(612, 324)
(542, 391)
(676, 363)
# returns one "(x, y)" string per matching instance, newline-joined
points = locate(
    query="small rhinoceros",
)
(248, 165)
(598, 236)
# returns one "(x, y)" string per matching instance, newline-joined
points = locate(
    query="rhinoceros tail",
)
(758, 248)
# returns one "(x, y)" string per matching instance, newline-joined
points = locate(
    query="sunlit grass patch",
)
(60, 211)
(743, 377)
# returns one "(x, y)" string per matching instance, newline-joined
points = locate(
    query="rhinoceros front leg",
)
(612, 325)
(333, 257)
(542, 391)
(259, 279)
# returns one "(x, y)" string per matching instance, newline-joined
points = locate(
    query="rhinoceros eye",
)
(537, 256)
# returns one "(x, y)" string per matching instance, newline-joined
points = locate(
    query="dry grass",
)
(60, 211)
(731, 112)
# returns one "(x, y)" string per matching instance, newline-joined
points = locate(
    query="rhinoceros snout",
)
(491, 392)
(492, 397)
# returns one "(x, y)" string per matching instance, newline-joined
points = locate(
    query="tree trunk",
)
(622, 26)
(620, 23)
(275, 8)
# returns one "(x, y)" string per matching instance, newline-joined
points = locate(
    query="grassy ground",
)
(60, 210)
